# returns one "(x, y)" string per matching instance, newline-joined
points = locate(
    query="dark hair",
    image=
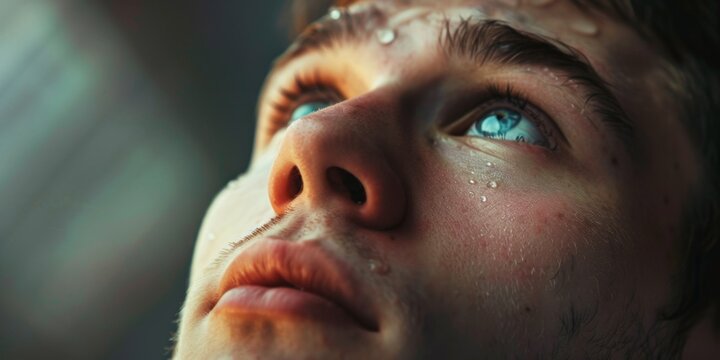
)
(687, 34)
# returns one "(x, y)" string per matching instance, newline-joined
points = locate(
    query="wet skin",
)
(552, 239)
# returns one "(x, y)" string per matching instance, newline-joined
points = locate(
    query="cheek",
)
(522, 238)
(521, 258)
(237, 210)
(513, 237)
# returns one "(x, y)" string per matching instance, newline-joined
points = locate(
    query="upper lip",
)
(306, 266)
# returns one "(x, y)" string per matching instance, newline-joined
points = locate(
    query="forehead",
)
(527, 14)
(611, 46)
(388, 33)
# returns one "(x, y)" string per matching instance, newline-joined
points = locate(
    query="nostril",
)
(295, 183)
(343, 181)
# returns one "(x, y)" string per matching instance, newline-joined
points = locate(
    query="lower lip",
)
(281, 303)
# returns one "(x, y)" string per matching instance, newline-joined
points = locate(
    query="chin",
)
(236, 334)
(265, 338)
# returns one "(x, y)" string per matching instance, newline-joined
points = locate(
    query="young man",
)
(472, 179)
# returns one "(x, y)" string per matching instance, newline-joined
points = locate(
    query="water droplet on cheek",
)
(489, 164)
(378, 267)
(483, 198)
(472, 182)
(385, 36)
(492, 184)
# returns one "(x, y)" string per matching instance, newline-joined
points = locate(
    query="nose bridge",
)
(340, 158)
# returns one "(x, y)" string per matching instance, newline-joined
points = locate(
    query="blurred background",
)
(119, 121)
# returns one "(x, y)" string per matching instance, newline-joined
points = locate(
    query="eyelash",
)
(304, 87)
(495, 95)
(313, 86)
(507, 93)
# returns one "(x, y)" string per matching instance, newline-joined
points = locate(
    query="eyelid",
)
(303, 89)
(510, 99)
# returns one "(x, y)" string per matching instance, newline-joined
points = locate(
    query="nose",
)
(338, 160)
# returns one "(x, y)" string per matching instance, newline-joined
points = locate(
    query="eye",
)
(508, 124)
(308, 108)
(308, 93)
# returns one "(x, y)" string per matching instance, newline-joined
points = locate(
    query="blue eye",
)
(508, 124)
(308, 108)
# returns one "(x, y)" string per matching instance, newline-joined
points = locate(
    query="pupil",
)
(498, 121)
(506, 120)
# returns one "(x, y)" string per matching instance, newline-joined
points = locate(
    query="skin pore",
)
(381, 140)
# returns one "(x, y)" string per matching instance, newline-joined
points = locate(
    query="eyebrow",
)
(491, 41)
(485, 41)
(328, 32)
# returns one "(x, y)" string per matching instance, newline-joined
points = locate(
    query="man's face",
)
(427, 182)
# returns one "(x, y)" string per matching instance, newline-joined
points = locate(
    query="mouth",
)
(294, 280)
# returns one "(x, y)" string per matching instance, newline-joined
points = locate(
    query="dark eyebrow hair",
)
(483, 41)
(328, 32)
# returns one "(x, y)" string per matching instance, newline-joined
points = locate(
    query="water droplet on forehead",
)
(540, 3)
(335, 13)
(584, 27)
(483, 198)
(492, 184)
(385, 36)
(472, 182)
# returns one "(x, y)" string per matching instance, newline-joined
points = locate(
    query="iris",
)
(308, 108)
(507, 124)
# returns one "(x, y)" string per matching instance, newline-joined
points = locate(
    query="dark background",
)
(119, 121)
